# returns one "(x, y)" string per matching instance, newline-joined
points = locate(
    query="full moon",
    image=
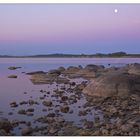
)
(116, 10)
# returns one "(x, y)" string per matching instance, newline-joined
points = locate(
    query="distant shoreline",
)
(71, 57)
(97, 55)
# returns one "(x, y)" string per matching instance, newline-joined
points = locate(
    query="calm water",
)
(13, 89)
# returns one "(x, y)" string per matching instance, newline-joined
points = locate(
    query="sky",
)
(29, 29)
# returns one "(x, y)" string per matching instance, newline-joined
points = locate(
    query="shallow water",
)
(13, 89)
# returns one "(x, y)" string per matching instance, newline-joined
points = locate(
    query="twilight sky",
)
(27, 29)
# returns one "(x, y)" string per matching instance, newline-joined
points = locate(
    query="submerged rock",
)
(65, 109)
(13, 68)
(22, 111)
(5, 125)
(26, 131)
(3, 132)
(13, 104)
(47, 103)
(64, 98)
(36, 72)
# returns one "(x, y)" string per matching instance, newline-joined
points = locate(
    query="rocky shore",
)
(110, 97)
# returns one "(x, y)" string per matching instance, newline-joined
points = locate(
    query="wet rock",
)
(60, 120)
(126, 127)
(61, 80)
(44, 110)
(54, 72)
(104, 131)
(10, 113)
(5, 124)
(61, 69)
(65, 109)
(36, 72)
(72, 68)
(71, 111)
(134, 68)
(96, 133)
(112, 109)
(22, 111)
(47, 103)
(64, 98)
(13, 68)
(94, 68)
(51, 115)
(46, 119)
(42, 98)
(82, 113)
(88, 125)
(12, 76)
(26, 131)
(72, 83)
(122, 85)
(42, 91)
(47, 79)
(28, 123)
(30, 110)
(52, 130)
(13, 104)
(32, 102)
(29, 114)
(15, 123)
(23, 103)
(3, 132)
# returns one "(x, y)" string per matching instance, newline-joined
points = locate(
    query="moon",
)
(116, 10)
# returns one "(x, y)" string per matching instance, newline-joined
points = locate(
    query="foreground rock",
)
(47, 79)
(26, 131)
(12, 76)
(5, 126)
(13, 68)
(134, 69)
(114, 84)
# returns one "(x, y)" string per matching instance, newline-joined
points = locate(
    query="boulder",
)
(71, 70)
(134, 68)
(114, 84)
(36, 72)
(26, 131)
(95, 68)
(47, 79)
(54, 72)
(3, 133)
(13, 68)
(5, 124)
(61, 69)
(47, 103)
(65, 109)
(12, 76)
(13, 104)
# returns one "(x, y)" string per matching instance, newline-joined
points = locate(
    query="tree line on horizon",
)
(114, 54)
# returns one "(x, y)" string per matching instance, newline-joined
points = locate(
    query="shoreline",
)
(103, 94)
(70, 57)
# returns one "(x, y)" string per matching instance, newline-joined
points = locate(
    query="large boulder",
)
(114, 84)
(95, 68)
(5, 125)
(134, 69)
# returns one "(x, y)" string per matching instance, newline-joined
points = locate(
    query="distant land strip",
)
(57, 55)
